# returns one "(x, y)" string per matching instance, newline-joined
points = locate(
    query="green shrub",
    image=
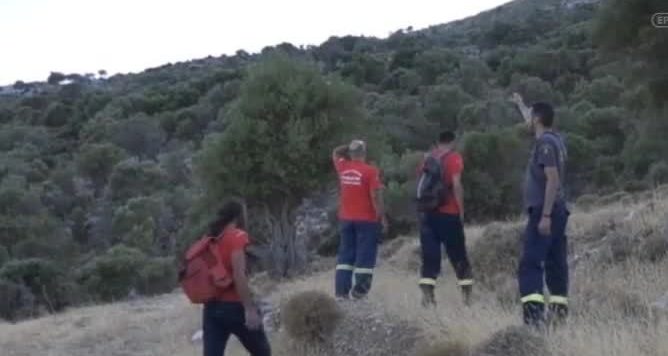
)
(658, 174)
(43, 278)
(311, 316)
(400, 175)
(4, 255)
(135, 223)
(35, 248)
(112, 275)
(16, 301)
(492, 181)
(133, 178)
(157, 276)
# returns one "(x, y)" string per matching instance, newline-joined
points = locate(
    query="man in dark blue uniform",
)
(545, 253)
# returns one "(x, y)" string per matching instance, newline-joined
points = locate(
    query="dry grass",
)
(610, 302)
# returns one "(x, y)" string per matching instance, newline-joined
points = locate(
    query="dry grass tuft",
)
(496, 254)
(655, 247)
(449, 347)
(311, 316)
(514, 341)
(407, 257)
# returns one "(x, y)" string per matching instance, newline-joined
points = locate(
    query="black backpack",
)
(432, 192)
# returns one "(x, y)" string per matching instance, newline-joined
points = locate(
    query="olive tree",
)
(276, 148)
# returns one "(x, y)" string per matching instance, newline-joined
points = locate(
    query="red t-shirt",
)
(232, 240)
(356, 182)
(454, 164)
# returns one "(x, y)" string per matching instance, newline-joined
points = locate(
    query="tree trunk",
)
(288, 255)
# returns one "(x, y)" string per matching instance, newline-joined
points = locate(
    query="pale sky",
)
(80, 36)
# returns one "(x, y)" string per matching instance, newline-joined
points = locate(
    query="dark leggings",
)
(222, 319)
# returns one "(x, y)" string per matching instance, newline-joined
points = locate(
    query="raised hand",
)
(517, 99)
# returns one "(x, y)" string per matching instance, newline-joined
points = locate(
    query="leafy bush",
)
(134, 178)
(4, 255)
(493, 181)
(658, 174)
(400, 175)
(156, 276)
(45, 281)
(96, 161)
(114, 274)
(281, 133)
(311, 316)
(135, 224)
(16, 301)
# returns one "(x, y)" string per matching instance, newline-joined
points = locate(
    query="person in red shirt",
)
(361, 217)
(444, 226)
(233, 312)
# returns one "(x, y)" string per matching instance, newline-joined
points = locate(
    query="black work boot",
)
(558, 313)
(428, 297)
(534, 314)
(467, 291)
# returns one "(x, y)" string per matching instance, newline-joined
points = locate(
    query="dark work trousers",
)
(544, 258)
(358, 248)
(437, 230)
(222, 319)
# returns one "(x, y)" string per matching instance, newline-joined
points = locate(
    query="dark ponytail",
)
(232, 211)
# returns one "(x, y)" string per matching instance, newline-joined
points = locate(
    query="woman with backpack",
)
(233, 311)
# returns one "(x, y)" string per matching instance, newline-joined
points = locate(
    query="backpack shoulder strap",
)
(441, 156)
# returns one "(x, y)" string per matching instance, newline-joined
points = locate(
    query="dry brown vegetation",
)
(619, 264)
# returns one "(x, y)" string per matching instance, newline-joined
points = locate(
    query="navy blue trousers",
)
(358, 248)
(544, 261)
(222, 319)
(438, 230)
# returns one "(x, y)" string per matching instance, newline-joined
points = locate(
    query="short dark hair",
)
(446, 137)
(544, 112)
(232, 211)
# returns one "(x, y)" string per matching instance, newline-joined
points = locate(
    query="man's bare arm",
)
(241, 279)
(379, 206)
(340, 152)
(525, 110)
(458, 188)
(378, 202)
(551, 189)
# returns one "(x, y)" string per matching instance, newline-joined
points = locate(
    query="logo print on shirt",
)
(351, 177)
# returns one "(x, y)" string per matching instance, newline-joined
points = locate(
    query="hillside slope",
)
(115, 170)
(619, 250)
